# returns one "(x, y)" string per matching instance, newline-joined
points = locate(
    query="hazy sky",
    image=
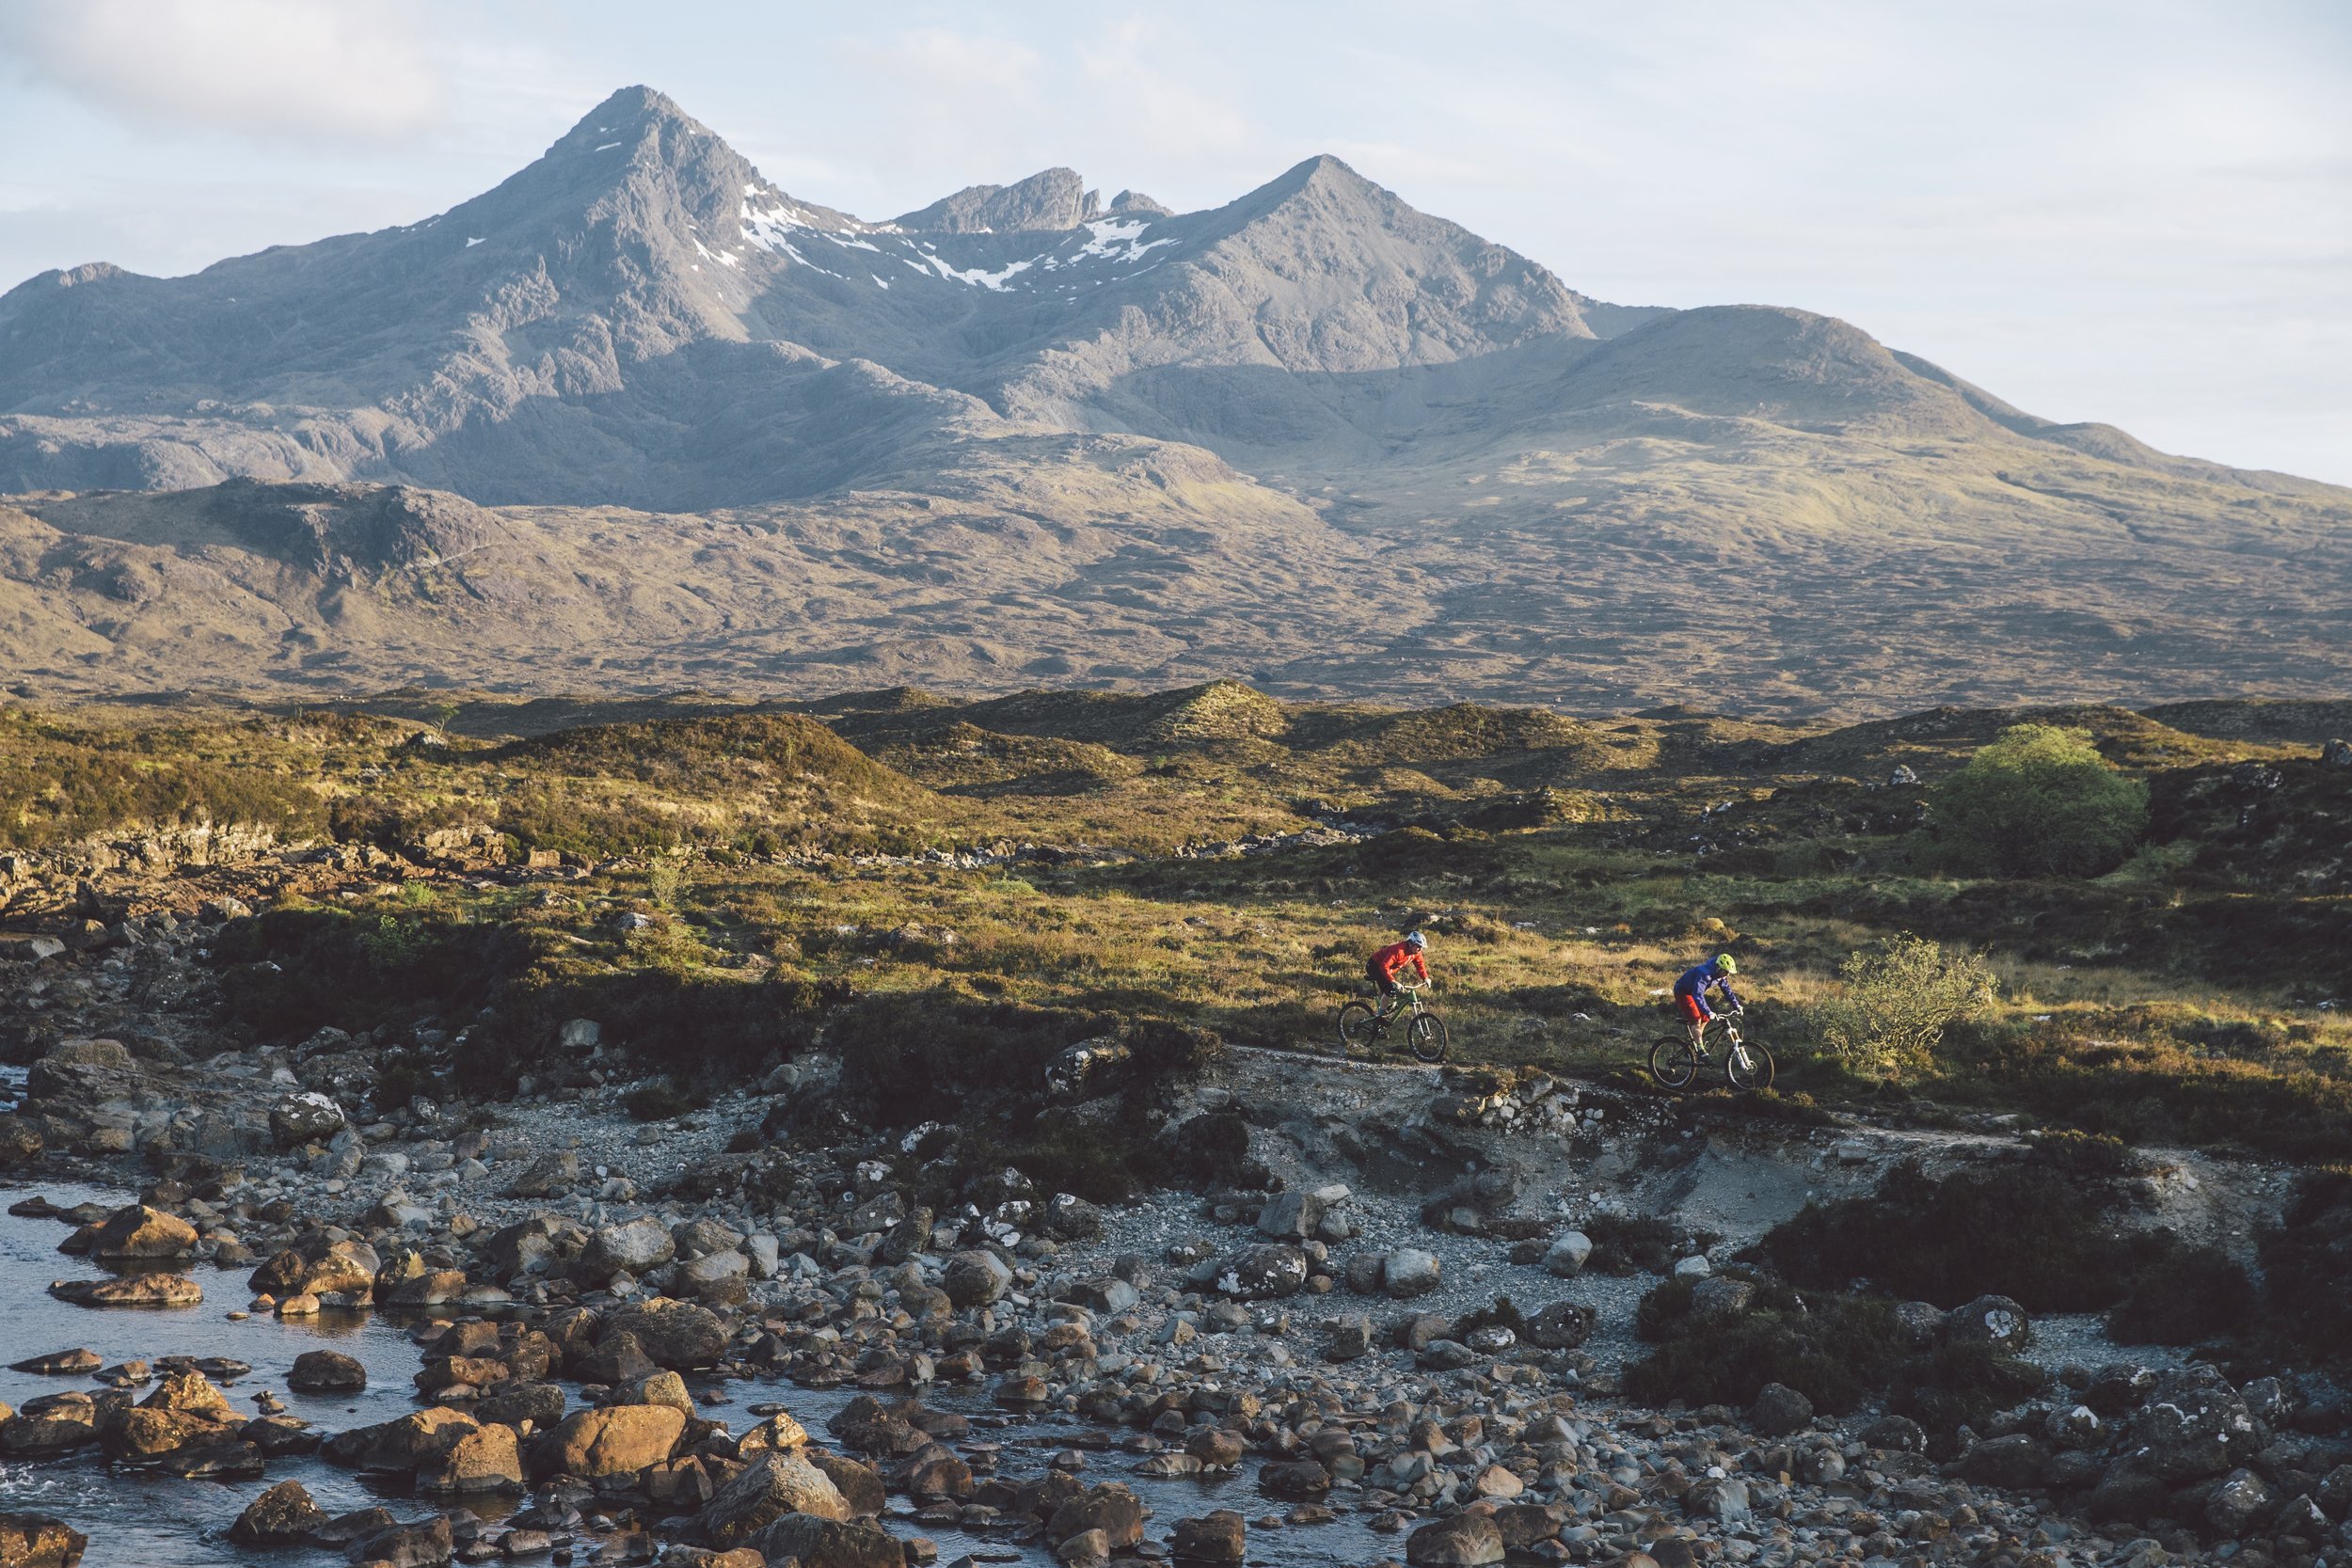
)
(2138, 212)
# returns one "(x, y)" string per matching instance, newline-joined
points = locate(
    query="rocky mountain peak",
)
(1050, 200)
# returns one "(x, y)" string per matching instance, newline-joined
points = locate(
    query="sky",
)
(2137, 211)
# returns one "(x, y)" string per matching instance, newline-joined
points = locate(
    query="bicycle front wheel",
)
(1749, 1066)
(1360, 1025)
(1673, 1063)
(1428, 1037)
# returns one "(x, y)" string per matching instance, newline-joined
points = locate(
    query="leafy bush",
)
(2305, 1261)
(2039, 801)
(2043, 1232)
(1835, 1349)
(1900, 994)
(2198, 1294)
(661, 1101)
(294, 969)
(1960, 1385)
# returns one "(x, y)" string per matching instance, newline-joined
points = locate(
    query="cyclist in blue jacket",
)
(1691, 989)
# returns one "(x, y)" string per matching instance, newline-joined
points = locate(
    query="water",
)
(147, 1520)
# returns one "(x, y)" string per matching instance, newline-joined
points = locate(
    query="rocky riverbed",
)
(539, 1330)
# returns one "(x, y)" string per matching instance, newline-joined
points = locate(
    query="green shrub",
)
(2305, 1261)
(1960, 1385)
(661, 1101)
(1835, 1349)
(1900, 994)
(2198, 1294)
(2041, 801)
(1634, 1244)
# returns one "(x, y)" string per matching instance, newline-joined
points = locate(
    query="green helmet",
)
(1726, 963)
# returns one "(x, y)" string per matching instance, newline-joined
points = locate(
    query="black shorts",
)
(1385, 986)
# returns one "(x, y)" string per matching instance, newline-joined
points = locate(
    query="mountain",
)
(637, 416)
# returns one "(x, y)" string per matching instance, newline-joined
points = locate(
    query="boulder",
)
(860, 1485)
(308, 1118)
(141, 1432)
(37, 1541)
(1087, 1549)
(282, 1517)
(53, 1425)
(1219, 1539)
(2191, 1425)
(139, 1232)
(512, 1404)
(820, 1543)
(1409, 1272)
(1568, 1256)
(675, 1334)
(326, 1371)
(778, 1482)
(547, 1176)
(131, 1290)
(1112, 1508)
(1347, 1338)
(779, 1433)
(1262, 1272)
(20, 1141)
(1895, 1435)
(1995, 1321)
(1780, 1410)
(2237, 1505)
(1292, 1216)
(1068, 1217)
(486, 1460)
(316, 1266)
(617, 1440)
(976, 1278)
(655, 1389)
(1722, 1296)
(426, 1544)
(634, 1247)
(400, 1447)
(1561, 1325)
(1295, 1480)
(2014, 1462)
(1464, 1541)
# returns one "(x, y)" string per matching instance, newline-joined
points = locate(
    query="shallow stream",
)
(144, 1519)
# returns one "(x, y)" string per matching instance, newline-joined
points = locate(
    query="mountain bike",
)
(1365, 1020)
(1674, 1060)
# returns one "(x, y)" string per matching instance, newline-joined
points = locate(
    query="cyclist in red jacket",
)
(1386, 966)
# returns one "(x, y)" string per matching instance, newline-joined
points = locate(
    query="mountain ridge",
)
(1488, 482)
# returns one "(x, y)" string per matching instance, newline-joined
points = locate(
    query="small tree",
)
(2040, 800)
(1901, 993)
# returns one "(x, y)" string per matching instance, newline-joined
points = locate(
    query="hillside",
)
(641, 418)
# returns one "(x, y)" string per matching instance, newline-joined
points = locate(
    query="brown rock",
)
(139, 1232)
(1220, 1539)
(315, 1266)
(37, 1541)
(406, 1445)
(326, 1371)
(1464, 1541)
(282, 1517)
(619, 1440)
(131, 1290)
(829, 1544)
(487, 1459)
(1111, 1508)
(774, 1484)
(860, 1485)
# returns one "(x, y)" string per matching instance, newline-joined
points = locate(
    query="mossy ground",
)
(1567, 869)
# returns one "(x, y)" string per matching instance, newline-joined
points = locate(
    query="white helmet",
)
(1414, 939)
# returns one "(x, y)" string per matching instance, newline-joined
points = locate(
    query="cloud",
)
(275, 69)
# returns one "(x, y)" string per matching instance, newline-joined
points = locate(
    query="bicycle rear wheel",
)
(1428, 1037)
(1749, 1066)
(1673, 1063)
(1360, 1025)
